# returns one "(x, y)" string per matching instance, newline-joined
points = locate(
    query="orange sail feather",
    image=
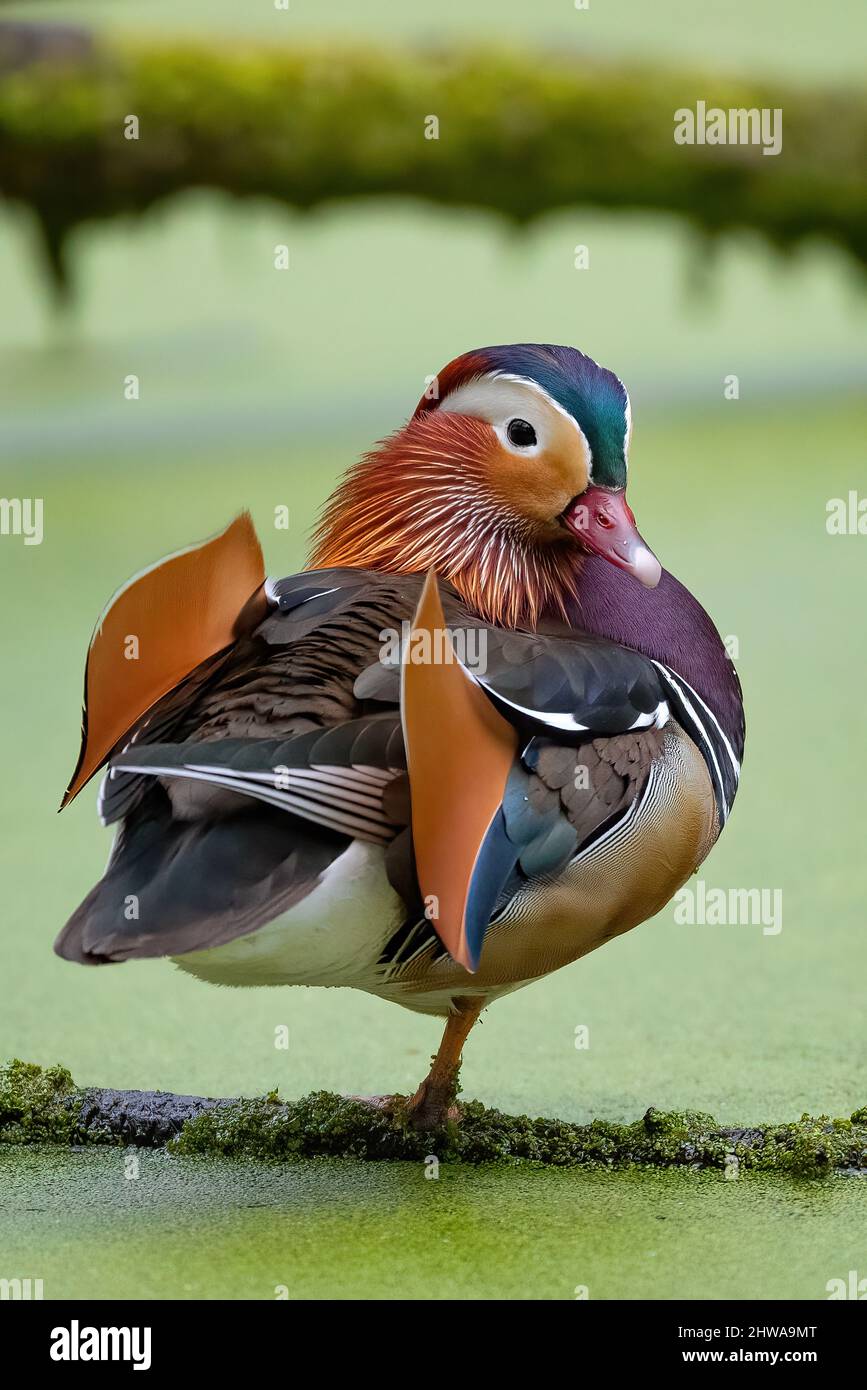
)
(158, 628)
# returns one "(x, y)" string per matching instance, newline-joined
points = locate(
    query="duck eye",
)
(521, 434)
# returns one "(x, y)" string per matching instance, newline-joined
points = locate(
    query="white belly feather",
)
(333, 937)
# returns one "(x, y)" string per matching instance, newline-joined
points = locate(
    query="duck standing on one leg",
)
(305, 798)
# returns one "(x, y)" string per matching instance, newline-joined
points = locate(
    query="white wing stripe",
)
(675, 682)
(376, 829)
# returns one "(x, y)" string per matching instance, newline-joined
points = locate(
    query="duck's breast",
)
(625, 877)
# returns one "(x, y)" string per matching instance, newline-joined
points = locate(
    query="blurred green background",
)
(257, 389)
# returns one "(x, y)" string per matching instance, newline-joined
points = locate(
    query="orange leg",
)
(434, 1100)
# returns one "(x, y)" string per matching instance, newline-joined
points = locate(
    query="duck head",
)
(513, 467)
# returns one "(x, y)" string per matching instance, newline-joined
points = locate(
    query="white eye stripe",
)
(481, 397)
(540, 391)
(627, 412)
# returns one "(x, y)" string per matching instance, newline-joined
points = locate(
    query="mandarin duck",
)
(481, 734)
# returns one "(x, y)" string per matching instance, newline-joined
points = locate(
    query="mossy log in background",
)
(43, 1105)
(520, 134)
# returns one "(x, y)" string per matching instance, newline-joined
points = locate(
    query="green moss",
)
(311, 124)
(323, 1124)
(43, 1106)
(34, 1104)
(811, 1150)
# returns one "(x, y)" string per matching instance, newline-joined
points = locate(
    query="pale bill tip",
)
(646, 567)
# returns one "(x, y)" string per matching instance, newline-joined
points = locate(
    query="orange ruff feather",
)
(423, 500)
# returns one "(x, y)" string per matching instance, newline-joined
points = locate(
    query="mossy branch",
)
(519, 134)
(43, 1105)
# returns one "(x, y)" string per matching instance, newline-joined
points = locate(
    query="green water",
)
(339, 1229)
